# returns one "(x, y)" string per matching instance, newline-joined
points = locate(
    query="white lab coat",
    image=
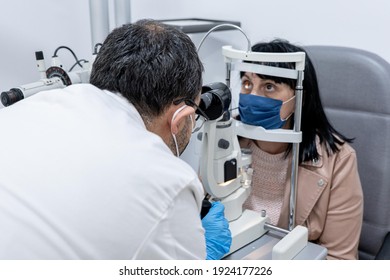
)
(82, 178)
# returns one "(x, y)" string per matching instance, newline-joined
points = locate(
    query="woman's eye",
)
(269, 87)
(246, 85)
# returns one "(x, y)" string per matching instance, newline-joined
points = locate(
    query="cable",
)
(77, 63)
(69, 49)
(235, 108)
(223, 25)
(95, 49)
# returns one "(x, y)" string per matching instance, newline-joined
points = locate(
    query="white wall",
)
(356, 23)
(28, 26)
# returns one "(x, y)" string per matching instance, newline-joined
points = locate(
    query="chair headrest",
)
(351, 78)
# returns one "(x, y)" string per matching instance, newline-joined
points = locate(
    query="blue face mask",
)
(261, 111)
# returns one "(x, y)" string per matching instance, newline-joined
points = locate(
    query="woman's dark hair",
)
(314, 121)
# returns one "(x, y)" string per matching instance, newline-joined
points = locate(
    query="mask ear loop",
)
(192, 122)
(173, 135)
(285, 119)
(177, 147)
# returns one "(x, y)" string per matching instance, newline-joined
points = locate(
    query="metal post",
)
(122, 12)
(295, 158)
(98, 14)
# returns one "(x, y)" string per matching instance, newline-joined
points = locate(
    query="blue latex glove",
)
(217, 232)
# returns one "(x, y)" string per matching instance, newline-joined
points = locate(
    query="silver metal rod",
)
(224, 25)
(294, 180)
(228, 74)
(268, 226)
(295, 159)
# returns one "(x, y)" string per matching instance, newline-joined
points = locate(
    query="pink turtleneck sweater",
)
(268, 182)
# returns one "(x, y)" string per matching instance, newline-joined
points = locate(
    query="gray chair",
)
(355, 90)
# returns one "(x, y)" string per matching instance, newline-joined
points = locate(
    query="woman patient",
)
(329, 192)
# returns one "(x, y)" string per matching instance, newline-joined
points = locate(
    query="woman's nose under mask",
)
(261, 111)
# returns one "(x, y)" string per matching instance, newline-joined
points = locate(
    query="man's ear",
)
(178, 115)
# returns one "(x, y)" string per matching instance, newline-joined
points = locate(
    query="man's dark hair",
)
(149, 63)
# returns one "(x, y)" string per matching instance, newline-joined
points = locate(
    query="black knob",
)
(223, 144)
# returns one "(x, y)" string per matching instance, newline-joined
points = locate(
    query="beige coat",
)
(329, 202)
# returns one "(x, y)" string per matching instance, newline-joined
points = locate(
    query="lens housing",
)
(215, 100)
(12, 96)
